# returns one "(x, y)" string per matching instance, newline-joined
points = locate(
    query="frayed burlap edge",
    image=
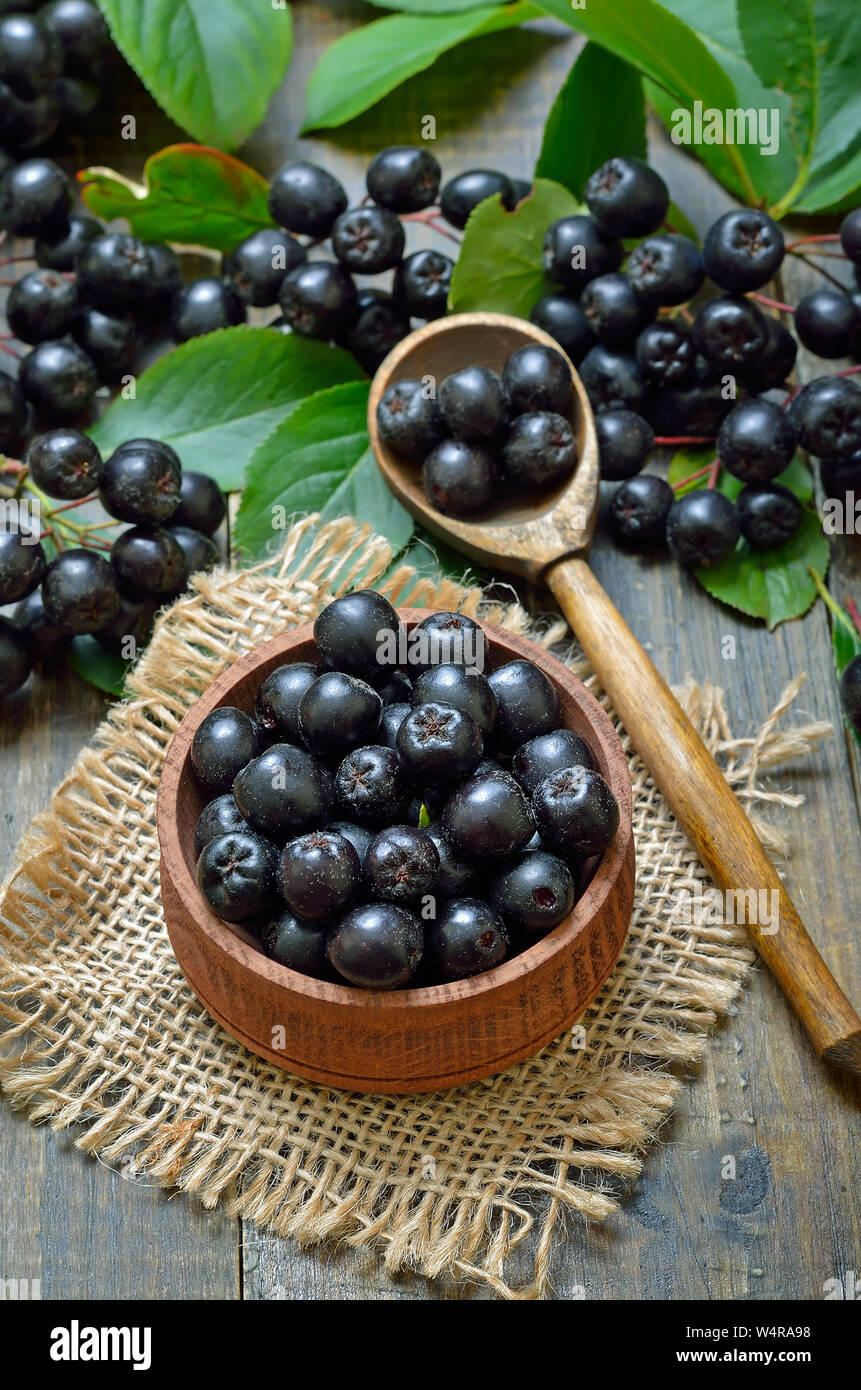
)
(101, 1033)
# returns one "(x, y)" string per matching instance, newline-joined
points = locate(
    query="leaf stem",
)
(809, 240)
(684, 439)
(822, 271)
(700, 473)
(773, 303)
(829, 600)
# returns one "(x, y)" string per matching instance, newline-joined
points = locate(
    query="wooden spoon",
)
(546, 539)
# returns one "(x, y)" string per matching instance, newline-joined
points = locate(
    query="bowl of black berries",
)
(396, 848)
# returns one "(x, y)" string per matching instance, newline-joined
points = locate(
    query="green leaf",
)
(211, 64)
(424, 817)
(835, 188)
(367, 63)
(797, 477)
(105, 670)
(429, 6)
(190, 194)
(845, 641)
(575, 142)
(318, 459)
(217, 397)
(499, 266)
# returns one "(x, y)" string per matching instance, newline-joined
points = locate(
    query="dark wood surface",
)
(791, 1219)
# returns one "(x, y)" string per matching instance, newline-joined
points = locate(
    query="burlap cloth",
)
(101, 1033)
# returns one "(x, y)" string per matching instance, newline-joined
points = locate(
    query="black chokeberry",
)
(488, 818)
(376, 946)
(409, 420)
(473, 403)
(114, 273)
(80, 591)
(141, 482)
(702, 527)
(296, 944)
(43, 638)
(257, 266)
(204, 306)
(318, 875)
(83, 33)
(439, 743)
(62, 250)
(396, 687)
(459, 477)
(422, 282)
(841, 475)
(638, 511)
(164, 283)
(402, 864)
(466, 938)
(199, 550)
(460, 686)
(536, 377)
(850, 692)
(534, 893)
(613, 380)
(111, 341)
(79, 98)
(41, 305)
(768, 513)
(696, 409)
(276, 704)
(201, 503)
(826, 322)
(284, 792)
(743, 250)
(538, 757)
(354, 634)
(666, 269)
(148, 561)
(306, 199)
(15, 658)
(626, 197)
(22, 565)
(221, 816)
(372, 785)
(625, 441)
(560, 315)
(456, 877)
(756, 440)
(526, 704)
(64, 463)
(35, 199)
(775, 362)
(391, 720)
(31, 54)
(236, 875)
(403, 178)
(730, 331)
(380, 324)
(450, 639)
(319, 299)
(337, 713)
(129, 630)
(665, 353)
(850, 235)
(576, 811)
(368, 240)
(576, 251)
(58, 379)
(539, 450)
(827, 416)
(614, 312)
(28, 125)
(462, 194)
(360, 836)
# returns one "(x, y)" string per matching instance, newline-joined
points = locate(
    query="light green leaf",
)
(211, 64)
(428, 6)
(576, 141)
(367, 63)
(217, 397)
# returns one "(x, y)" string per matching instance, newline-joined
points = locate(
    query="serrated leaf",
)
(190, 194)
(499, 266)
(575, 144)
(217, 397)
(105, 670)
(211, 64)
(367, 63)
(318, 459)
(771, 584)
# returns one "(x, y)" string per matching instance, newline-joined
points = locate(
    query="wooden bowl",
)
(407, 1040)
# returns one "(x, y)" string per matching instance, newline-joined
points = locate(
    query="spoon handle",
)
(707, 810)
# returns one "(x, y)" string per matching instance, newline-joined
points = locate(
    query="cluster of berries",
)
(52, 64)
(386, 825)
(698, 375)
(481, 429)
(92, 585)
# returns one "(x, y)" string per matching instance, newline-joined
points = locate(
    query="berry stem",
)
(822, 271)
(692, 477)
(430, 217)
(809, 240)
(670, 228)
(684, 439)
(773, 303)
(852, 610)
(15, 260)
(714, 474)
(4, 347)
(849, 371)
(11, 466)
(78, 502)
(830, 602)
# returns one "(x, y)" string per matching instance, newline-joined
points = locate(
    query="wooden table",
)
(791, 1219)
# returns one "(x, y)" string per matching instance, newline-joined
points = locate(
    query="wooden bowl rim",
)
(251, 958)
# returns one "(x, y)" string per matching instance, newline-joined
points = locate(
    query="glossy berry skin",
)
(422, 282)
(772, 367)
(451, 639)
(456, 877)
(473, 404)
(488, 818)
(840, 476)
(368, 240)
(359, 836)
(298, 945)
(730, 331)
(666, 269)
(850, 235)
(467, 938)
(625, 441)
(164, 283)
(58, 379)
(560, 315)
(756, 441)
(576, 812)
(43, 639)
(696, 409)
(463, 688)
(465, 191)
(402, 864)
(372, 786)
(538, 757)
(199, 551)
(526, 704)
(536, 377)
(236, 876)
(319, 875)
(614, 312)
(534, 894)
(79, 592)
(459, 477)
(223, 745)
(114, 273)
(64, 463)
(403, 178)
(350, 630)
(376, 946)
(439, 743)
(62, 250)
(613, 380)
(140, 482)
(638, 511)
(276, 704)
(31, 55)
(284, 792)
(83, 32)
(395, 688)
(702, 528)
(577, 251)
(666, 354)
(827, 416)
(220, 816)
(743, 250)
(22, 566)
(148, 562)
(130, 628)
(201, 503)
(41, 305)
(540, 450)
(306, 199)
(826, 322)
(13, 411)
(768, 514)
(15, 659)
(337, 713)
(410, 423)
(391, 720)
(110, 341)
(850, 692)
(380, 325)
(204, 306)
(627, 198)
(257, 265)
(319, 300)
(35, 198)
